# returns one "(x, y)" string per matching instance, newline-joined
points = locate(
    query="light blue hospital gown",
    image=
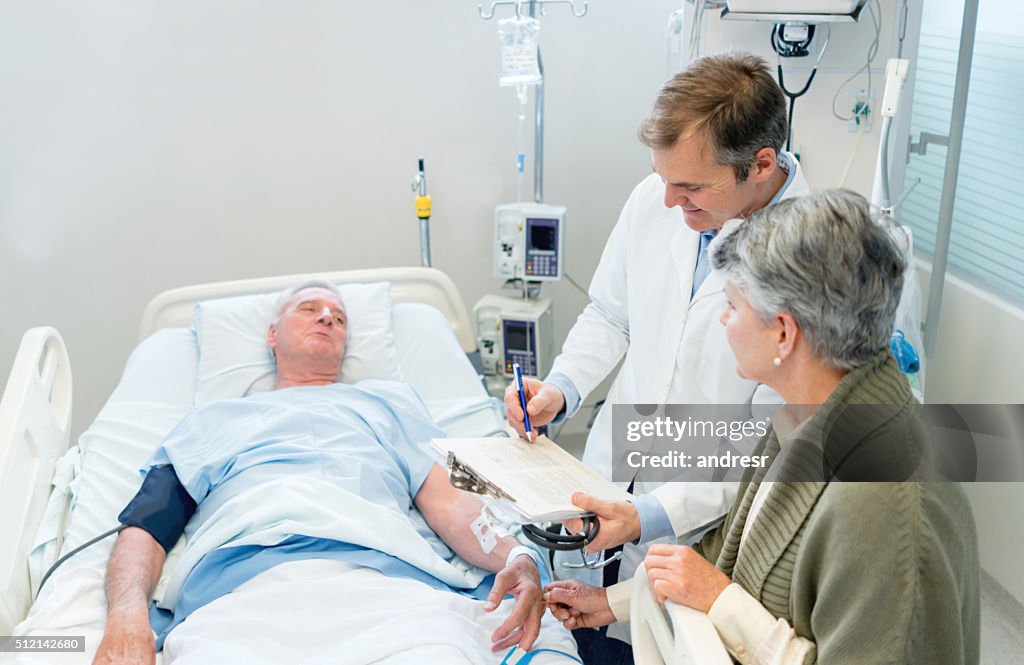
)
(370, 438)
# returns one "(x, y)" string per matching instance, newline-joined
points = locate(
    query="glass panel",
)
(987, 243)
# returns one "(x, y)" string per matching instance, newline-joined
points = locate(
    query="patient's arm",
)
(449, 512)
(132, 573)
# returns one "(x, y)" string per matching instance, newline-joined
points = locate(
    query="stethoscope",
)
(567, 542)
(464, 479)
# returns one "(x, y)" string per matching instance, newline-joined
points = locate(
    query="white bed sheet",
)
(155, 392)
(332, 613)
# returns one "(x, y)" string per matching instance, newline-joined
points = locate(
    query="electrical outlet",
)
(862, 108)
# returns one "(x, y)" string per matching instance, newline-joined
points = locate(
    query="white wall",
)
(978, 361)
(150, 145)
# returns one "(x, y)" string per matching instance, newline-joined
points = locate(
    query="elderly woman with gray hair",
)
(815, 568)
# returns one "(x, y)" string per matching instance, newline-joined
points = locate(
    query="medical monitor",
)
(514, 331)
(528, 241)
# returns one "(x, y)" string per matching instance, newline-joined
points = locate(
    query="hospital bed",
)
(54, 498)
(669, 633)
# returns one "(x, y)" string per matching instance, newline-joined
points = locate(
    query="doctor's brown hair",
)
(732, 98)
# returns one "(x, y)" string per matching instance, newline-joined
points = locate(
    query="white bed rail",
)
(35, 419)
(422, 285)
(671, 634)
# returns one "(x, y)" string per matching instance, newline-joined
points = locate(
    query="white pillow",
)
(234, 359)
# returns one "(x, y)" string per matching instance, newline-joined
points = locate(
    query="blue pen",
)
(522, 398)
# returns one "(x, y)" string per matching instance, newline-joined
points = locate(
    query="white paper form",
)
(540, 476)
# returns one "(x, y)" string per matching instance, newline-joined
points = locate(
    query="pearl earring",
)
(777, 361)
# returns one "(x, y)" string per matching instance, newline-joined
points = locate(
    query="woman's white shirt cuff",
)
(619, 598)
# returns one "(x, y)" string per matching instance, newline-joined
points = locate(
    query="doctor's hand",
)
(578, 604)
(619, 522)
(127, 640)
(521, 579)
(679, 574)
(544, 401)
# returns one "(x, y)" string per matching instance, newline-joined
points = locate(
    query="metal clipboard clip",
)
(464, 478)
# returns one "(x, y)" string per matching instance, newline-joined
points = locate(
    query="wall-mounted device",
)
(792, 39)
(513, 330)
(785, 11)
(528, 241)
(822, 7)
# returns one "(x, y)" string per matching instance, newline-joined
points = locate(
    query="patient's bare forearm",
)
(464, 542)
(133, 572)
(450, 512)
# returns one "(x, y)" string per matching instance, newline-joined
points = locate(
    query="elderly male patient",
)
(314, 469)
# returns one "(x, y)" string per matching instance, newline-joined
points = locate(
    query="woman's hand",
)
(679, 574)
(578, 605)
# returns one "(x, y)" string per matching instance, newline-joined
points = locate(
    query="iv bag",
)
(518, 36)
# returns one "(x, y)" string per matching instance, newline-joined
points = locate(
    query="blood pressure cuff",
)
(162, 507)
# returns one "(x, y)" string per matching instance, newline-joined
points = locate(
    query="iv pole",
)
(538, 128)
(423, 209)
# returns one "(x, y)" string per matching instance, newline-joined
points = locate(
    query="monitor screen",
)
(542, 237)
(516, 336)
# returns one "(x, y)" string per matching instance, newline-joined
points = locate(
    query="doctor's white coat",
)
(675, 348)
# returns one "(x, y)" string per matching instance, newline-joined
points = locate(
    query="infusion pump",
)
(514, 331)
(528, 241)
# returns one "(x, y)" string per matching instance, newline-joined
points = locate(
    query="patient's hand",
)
(521, 579)
(578, 604)
(620, 523)
(679, 574)
(126, 641)
(544, 401)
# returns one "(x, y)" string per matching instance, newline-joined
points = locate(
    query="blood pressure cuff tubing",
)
(162, 507)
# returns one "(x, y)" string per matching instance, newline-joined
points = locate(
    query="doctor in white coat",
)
(716, 134)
